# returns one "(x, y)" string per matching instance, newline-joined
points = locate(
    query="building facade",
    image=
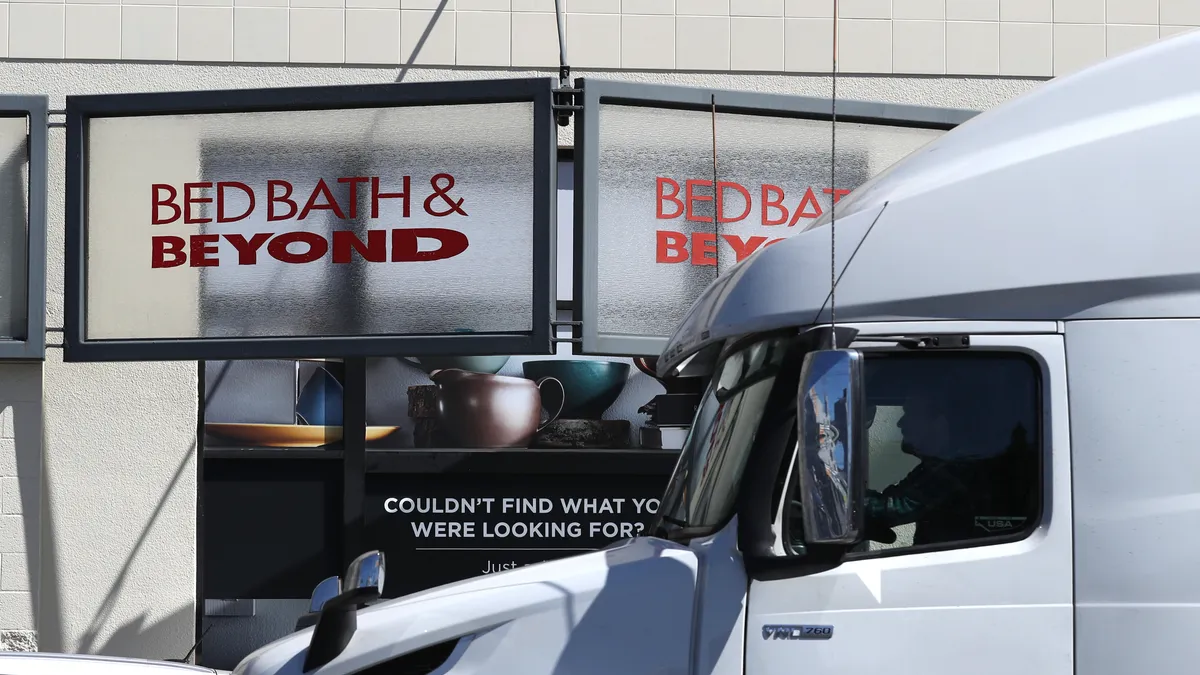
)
(100, 479)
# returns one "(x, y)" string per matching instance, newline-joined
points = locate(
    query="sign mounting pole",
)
(833, 184)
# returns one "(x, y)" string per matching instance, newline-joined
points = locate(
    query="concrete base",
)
(18, 641)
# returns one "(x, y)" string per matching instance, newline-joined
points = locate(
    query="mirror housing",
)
(338, 618)
(323, 593)
(365, 574)
(831, 458)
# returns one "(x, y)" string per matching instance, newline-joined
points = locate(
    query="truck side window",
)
(954, 449)
(954, 446)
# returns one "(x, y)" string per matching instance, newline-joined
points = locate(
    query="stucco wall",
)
(20, 474)
(117, 544)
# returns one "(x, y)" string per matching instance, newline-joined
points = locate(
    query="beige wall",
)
(1023, 38)
(103, 461)
(20, 473)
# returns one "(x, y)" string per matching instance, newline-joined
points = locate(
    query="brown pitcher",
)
(489, 411)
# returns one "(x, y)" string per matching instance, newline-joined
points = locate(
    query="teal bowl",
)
(488, 365)
(590, 386)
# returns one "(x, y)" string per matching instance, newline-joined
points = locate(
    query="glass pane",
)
(14, 219)
(273, 404)
(704, 487)
(954, 446)
(658, 244)
(560, 402)
(566, 229)
(414, 220)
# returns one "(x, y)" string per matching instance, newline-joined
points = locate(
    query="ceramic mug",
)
(489, 411)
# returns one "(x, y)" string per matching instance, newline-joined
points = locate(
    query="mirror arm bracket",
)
(823, 337)
(939, 342)
(336, 624)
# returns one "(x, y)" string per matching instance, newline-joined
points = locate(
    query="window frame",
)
(31, 347)
(1036, 520)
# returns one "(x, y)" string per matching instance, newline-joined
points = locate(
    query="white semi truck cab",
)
(979, 456)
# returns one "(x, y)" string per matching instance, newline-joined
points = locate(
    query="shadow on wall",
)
(233, 638)
(137, 637)
(20, 425)
(20, 476)
(437, 14)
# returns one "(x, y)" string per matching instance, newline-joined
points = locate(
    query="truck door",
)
(969, 470)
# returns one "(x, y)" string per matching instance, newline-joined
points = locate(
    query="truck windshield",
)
(703, 489)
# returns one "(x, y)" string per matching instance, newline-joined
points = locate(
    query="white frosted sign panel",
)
(374, 221)
(14, 227)
(659, 244)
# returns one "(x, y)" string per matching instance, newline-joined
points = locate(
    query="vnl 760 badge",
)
(794, 632)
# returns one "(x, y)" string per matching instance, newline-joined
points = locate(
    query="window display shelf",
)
(272, 453)
(471, 460)
(521, 461)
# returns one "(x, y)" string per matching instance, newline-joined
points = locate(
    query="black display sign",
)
(437, 529)
(271, 529)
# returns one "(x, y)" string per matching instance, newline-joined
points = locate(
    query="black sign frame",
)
(81, 109)
(32, 347)
(588, 340)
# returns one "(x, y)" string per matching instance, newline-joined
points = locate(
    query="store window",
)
(469, 464)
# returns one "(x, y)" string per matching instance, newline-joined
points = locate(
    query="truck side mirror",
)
(831, 458)
(338, 619)
(324, 592)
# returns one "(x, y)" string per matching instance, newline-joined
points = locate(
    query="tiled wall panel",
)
(1020, 38)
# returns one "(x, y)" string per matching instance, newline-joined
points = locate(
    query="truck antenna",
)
(193, 649)
(833, 185)
(716, 186)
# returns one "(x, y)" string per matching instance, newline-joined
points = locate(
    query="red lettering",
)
(221, 217)
(376, 195)
(157, 202)
(672, 246)
(772, 242)
(345, 241)
(203, 247)
(273, 198)
(809, 199)
(189, 200)
(248, 250)
(321, 190)
(722, 186)
(704, 243)
(405, 244)
(773, 202)
(662, 197)
(164, 246)
(743, 249)
(353, 183)
(690, 198)
(442, 183)
(317, 247)
(837, 194)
